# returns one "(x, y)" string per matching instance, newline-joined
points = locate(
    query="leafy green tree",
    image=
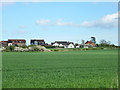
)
(104, 43)
(11, 48)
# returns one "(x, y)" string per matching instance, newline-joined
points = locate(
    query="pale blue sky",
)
(60, 21)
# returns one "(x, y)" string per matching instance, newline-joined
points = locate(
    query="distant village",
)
(62, 44)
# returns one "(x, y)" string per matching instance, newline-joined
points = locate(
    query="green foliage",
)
(31, 45)
(36, 49)
(10, 48)
(56, 50)
(24, 46)
(16, 45)
(104, 43)
(76, 49)
(7, 49)
(73, 69)
(49, 46)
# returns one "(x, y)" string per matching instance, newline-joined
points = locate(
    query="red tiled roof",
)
(3, 42)
(16, 40)
(90, 42)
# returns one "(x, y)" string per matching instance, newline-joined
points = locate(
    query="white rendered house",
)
(71, 46)
(9, 44)
(64, 44)
(60, 45)
(55, 44)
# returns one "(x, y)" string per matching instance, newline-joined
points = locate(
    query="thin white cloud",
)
(42, 22)
(59, 22)
(108, 21)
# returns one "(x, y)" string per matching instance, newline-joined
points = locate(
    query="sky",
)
(63, 21)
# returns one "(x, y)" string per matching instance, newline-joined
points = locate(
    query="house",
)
(59, 43)
(55, 44)
(38, 42)
(84, 45)
(64, 44)
(77, 46)
(71, 45)
(16, 42)
(90, 43)
(3, 43)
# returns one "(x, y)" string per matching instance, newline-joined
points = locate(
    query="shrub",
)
(38, 48)
(56, 50)
(101, 48)
(95, 48)
(16, 45)
(9, 48)
(61, 47)
(20, 49)
(24, 46)
(2, 49)
(49, 46)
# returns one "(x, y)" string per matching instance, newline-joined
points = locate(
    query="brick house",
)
(3, 43)
(19, 42)
(90, 43)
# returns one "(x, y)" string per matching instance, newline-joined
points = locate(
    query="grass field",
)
(74, 69)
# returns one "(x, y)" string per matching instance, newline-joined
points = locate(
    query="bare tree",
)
(103, 41)
(109, 43)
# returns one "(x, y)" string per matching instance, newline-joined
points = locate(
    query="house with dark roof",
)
(64, 44)
(37, 42)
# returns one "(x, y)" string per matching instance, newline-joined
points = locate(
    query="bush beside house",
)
(24, 49)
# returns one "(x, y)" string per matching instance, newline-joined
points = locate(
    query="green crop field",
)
(68, 69)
